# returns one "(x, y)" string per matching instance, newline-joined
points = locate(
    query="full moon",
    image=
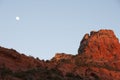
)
(17, 18)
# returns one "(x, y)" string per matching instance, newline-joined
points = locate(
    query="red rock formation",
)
(98, 58)
(100, 52)
(11, 59)
(62, 56)
(100, 45)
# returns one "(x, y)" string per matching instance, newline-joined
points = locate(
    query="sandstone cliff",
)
(98, 58)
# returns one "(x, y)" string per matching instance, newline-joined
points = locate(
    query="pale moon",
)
(17, 18)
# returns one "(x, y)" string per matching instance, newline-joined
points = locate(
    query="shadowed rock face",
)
(15, 61)
(98, 58)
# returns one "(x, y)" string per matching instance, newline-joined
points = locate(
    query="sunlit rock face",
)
(62, 56)
(100, 44)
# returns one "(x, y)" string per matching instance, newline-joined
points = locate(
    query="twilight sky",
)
(50, 26)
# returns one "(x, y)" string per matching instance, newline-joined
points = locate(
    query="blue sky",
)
(50, 26)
